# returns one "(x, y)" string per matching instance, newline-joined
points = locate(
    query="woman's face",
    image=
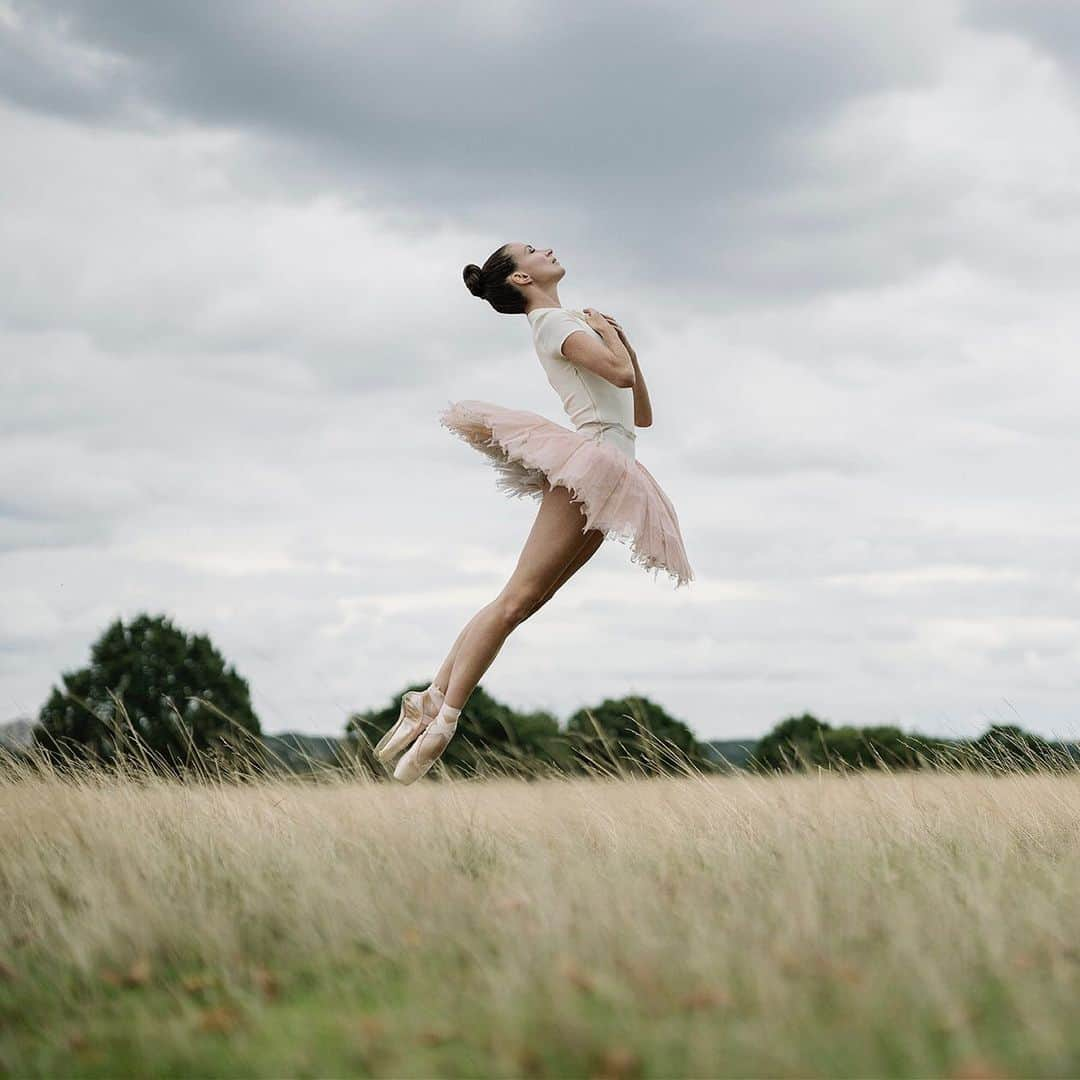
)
(539, 263)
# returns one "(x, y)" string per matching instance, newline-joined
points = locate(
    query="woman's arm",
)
(606, 357)
(618, 367)
(642, 405)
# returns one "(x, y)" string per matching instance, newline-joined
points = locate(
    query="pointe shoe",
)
(427, 749)
(410, 722)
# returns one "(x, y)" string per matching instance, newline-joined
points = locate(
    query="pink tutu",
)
(618, 495)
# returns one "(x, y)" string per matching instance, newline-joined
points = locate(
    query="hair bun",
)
(474, 278)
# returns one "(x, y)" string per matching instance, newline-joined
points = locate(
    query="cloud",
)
(1051, 25)
(664, 138)
(842, 240)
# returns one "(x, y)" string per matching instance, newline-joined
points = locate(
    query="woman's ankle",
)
(433, 699)
(448, 714)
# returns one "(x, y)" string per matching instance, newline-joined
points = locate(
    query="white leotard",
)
(591, 402)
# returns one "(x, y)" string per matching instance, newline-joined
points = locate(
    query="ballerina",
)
(589, 482)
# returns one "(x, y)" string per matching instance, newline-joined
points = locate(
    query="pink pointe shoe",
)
(412, 719)
(427, 749)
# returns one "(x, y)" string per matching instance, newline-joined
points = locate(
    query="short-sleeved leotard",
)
(591, 402)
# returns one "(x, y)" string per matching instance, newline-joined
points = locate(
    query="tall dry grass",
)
(888, 924)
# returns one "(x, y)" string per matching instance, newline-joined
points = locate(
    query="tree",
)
(1008, 748)
(621, 722)
(795, 743)
(873, 748)
(802, 742)
(157, 672)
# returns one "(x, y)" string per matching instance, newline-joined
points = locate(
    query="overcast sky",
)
(843, 237)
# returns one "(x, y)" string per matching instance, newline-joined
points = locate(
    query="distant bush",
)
(804, 742)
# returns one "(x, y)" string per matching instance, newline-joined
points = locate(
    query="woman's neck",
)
(543, 301)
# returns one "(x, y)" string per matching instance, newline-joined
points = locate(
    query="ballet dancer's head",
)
(516, 277)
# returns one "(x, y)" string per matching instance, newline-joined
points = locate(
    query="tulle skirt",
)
(618, 495)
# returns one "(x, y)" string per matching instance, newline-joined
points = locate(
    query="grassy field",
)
(921, 924)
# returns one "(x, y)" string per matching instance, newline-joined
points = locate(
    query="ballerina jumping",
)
(588, 480)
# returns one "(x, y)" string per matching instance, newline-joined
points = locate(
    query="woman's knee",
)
(514, 606)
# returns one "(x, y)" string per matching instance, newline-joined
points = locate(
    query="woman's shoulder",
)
(552, 326)
(547, 321)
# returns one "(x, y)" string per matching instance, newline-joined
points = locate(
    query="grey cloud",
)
(1052, 25)
(728, 458)
(731, 673)
(46, 68)
(29, 528)
(214, 423)
(655, 133)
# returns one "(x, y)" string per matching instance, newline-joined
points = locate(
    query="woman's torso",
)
(593, 404)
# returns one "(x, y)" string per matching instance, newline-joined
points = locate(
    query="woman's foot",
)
(418, 710)
(429, 747)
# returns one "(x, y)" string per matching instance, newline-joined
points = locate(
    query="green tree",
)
(626, 731)
(156, 671)
(884, 747)
(802, 742)
(795, 743)
(1008, 748)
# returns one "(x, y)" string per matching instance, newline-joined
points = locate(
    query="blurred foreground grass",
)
(886, 924)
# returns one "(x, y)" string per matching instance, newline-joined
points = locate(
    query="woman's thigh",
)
(557, 536)
(594, 539)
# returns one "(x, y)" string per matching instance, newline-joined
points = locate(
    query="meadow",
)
(808, 925)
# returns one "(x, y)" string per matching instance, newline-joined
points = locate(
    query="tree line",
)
(169, 699)
(802, 743)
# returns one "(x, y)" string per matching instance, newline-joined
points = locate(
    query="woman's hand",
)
(599, 321)
(596, 320)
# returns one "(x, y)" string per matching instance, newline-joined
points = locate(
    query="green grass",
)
(833, 925)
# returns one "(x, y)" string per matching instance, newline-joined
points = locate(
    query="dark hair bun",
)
(474, 278)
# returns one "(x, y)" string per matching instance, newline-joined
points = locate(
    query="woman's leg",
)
(442, 680)
(555, 541)
(595, 539)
